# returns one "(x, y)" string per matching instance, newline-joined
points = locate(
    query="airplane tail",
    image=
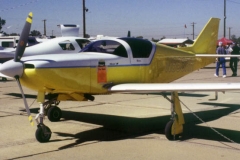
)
(207, 40)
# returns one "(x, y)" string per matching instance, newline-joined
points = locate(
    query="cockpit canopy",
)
(139, 48)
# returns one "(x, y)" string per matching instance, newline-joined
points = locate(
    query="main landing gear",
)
(174, 127)
(54, 113)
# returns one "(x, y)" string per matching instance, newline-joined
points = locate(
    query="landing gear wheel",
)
(43, 134)
(54, 113)
(168, 131)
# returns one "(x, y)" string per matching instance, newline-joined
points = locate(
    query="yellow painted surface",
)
(163, 69)
(31, 120)
(29, 18)
(176, 128)
(58, 79)
(41, 96)
(167, 65)
(178, 109)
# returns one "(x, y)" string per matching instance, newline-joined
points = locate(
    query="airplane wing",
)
(4, 76)
(169, 87)
(216, 55)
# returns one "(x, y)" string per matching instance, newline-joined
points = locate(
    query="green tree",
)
(2, 23)
(155, 40)
(87, 36)
(141, 37)
(234, 38)
(13, 34)
(35, 33)
(162, 38)
(238, 40)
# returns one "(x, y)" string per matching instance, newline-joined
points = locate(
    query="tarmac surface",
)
(125, 126)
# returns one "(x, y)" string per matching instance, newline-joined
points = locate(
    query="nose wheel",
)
(43, 133)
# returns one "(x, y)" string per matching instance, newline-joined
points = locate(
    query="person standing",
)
(220, 61)
(234, 60)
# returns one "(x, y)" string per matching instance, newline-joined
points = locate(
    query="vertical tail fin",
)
(207, 39)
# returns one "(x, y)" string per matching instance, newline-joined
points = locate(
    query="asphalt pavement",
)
(126, 126)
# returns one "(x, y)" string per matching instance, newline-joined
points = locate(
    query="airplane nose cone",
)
(12, 68)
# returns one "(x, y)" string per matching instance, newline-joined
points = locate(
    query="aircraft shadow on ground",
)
(8, 80)
(193, 130)
(18, 95)
(119, 127)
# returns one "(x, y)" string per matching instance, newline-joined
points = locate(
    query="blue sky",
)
(147, 18)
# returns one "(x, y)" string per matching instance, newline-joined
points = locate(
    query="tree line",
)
(3, 22)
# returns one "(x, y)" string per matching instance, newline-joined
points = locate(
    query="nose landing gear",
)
(54, 113)
(43, 133)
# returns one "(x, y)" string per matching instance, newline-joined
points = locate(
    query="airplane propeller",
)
(15, 68)
(23, 38)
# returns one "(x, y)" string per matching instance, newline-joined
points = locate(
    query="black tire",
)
(168, 131)
(4, 79)
(43, 134)
(54, 114)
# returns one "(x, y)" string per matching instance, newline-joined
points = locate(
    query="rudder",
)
(207, 39)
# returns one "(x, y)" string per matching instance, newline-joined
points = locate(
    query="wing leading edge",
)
(169, 87)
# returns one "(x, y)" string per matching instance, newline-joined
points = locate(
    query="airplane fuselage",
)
(88, 72)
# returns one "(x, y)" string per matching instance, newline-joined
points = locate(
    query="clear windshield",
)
(106, 46)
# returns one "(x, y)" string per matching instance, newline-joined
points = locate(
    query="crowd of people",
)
(232, 49)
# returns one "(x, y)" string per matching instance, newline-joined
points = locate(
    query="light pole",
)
(193, 29)
(224, 25)
(44, 21)
(84, 19)
(229, 31)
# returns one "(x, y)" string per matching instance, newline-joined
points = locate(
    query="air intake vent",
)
(29, 66)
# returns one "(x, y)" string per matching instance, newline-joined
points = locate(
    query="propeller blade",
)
(23, 38)
(25, 102)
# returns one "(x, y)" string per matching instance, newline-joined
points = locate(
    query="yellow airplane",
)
(112, 65)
